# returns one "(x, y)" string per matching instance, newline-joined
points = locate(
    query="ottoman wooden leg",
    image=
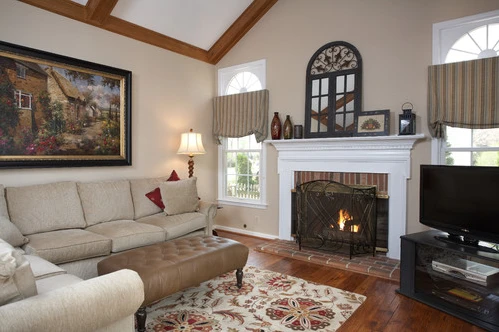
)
(141, 316)
(239, 277)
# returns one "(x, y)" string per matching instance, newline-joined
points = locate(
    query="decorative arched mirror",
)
(333, 91)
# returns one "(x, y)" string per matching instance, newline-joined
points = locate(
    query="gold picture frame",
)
(57, 111)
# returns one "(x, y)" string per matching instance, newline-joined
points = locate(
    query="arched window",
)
(479, 43)
(468, 38)
(243, 82)
(241, 162)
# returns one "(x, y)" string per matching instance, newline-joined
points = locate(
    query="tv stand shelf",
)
(474, 301)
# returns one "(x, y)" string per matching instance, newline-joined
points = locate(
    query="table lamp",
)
(191, 144)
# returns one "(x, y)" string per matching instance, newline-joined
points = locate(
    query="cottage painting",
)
(63, 111)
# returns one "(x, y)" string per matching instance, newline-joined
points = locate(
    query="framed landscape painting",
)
(57, 111)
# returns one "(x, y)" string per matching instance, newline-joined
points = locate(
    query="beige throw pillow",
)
(10, 233)
(180, 196)
(17, 281)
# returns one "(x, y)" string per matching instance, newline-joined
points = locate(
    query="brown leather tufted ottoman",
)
(168, 267)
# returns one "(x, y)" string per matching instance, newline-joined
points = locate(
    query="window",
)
(241, 161)
(23, 100)
(242, 78)
(469, 38)
(21, 70)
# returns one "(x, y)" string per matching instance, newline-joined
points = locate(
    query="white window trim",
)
(460, 25)
(262, 202)
(258, 68)
(466, 23)
(20, 94)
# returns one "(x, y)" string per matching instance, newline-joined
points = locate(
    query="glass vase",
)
(288, 128)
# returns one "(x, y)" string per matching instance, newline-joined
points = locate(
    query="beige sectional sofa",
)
(60, 231)
(36, 295)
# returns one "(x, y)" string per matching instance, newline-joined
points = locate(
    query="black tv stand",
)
(465, 242)
(475, 302)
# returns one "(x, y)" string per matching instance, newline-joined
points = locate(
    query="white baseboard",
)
(245, 232)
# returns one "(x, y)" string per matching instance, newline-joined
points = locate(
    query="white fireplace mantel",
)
(374, 154)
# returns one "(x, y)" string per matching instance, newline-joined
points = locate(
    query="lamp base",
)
(190, 163)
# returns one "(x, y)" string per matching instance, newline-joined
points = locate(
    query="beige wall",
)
(394, 38)
(170, 94)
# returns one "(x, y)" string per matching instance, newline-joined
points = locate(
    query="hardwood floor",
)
(384, 309)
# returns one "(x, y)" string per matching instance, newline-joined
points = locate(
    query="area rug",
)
(268, 301)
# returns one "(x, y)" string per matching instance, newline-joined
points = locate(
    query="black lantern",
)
(407, 120)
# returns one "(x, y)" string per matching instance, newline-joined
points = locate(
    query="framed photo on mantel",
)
(57, 111)
(373, 123)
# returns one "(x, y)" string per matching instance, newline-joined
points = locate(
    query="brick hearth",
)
(379, 266)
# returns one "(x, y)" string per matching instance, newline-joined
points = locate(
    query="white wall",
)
(170, 94)
(394, 38)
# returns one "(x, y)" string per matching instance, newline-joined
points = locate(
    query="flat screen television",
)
(462, 201)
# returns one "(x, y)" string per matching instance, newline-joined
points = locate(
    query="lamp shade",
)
(191, 144)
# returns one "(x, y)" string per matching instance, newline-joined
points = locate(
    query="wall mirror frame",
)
(334, 77)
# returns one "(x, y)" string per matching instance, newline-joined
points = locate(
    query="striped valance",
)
(241, 115)
(463, 94)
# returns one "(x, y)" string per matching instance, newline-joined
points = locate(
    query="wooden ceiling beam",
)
(239, 28)
(137, 32)
(78, 12)
(62, 7)
(98, 11)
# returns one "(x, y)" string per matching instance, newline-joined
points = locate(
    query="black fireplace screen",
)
(336, 217)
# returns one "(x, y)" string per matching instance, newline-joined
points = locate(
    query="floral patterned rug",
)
(268, 301)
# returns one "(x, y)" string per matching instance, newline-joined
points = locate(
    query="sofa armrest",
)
(86, 306)
(210, 210)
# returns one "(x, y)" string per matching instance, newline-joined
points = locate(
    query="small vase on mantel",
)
(275, 127)
(288, 128)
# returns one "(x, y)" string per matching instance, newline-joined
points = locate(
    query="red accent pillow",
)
(155, 195)
(173, 176)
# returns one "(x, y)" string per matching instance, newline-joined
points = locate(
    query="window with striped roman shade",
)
(240, 115)
(463, 94)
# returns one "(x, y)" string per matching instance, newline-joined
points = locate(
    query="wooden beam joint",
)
(98, 11)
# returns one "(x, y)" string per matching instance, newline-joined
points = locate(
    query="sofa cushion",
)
(128, 234)
(177, 225)
(180, 196)
(139, 188)
(45, 208)
(68, 245)
(17, 281)
(106, 201)
(10, 233)
(3, 204)
(61, 280)
(42, 268)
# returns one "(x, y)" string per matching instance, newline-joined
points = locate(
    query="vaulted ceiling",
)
(201, 29)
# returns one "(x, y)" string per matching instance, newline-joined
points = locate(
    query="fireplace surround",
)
(377, 154)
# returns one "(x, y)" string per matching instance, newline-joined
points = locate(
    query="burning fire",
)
(344, 217)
